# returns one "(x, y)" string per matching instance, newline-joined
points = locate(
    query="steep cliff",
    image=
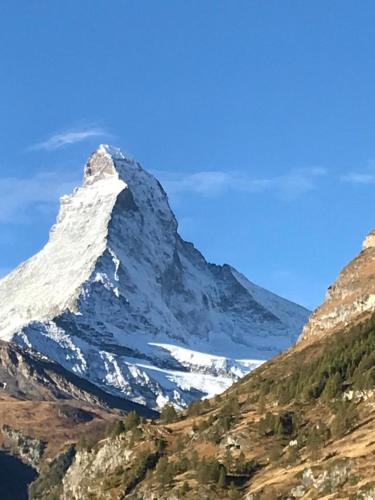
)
(350, 299)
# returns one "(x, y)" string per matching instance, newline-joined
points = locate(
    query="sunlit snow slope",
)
(119, 298)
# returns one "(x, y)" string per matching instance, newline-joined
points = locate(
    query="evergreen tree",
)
(115, 428)
(164, 471)
(314, 442)
(345, 419)
(333, 386)
(131, 420)
(222, 478)
(168, 414)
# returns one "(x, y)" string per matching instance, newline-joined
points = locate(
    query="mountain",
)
(118, 298)
(43, 407)
(349, 299)
(302, 425)
(29, 376)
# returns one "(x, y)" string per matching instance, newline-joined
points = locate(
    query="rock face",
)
(25, 375)
(349, 299)
(30, 450)
(120, 299)
(112, 456)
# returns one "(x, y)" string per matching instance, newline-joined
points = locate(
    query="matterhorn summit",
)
(120, 299)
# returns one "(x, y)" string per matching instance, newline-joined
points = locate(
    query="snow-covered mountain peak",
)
(103, 162)
(145, 192)
(118, 297)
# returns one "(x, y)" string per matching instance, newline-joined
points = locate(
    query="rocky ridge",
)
(349, 299)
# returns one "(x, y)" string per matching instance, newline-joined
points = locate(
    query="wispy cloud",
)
(359, 178)
(212, 183)
(22, 199)
(67, 137)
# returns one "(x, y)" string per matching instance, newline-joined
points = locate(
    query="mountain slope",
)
(302, 425)
(43, 406)
(119, 298)
(29, 376)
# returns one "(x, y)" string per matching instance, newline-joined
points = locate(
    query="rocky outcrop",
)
(29, 449)
(28, 375)
(111, 469)
(349, 299)
(91, 469)
(323, 480)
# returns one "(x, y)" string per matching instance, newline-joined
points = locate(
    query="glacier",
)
(119, 298)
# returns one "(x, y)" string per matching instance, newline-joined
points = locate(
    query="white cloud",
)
(359, 178)
(22, 198)
(61, 139)
(212, 183)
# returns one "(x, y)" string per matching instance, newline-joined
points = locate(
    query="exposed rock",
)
(238, 441)
(28, 375)
(366, 492)
(350, 298)
(327, 480)
(30, 450)
(90, 469)
(298, 492)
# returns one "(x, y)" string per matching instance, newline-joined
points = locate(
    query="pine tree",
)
(222, 478)
(164, 471)
(131, 420)
(115, 429)
(333, 386)
(168, 414)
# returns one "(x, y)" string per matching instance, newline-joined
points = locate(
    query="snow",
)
(50, 281)
(119, 298)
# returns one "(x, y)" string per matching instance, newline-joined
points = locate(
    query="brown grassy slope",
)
(54, 422)
(333, 456)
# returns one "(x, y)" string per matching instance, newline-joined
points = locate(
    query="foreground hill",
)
(41, 400)
(118, 298)
(43, 407)
(300, 426)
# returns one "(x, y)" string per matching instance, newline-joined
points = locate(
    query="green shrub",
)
(345, 419)
(209, 471)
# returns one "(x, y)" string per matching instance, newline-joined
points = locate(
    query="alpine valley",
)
(301, 425)
(119, 299)
(118, 317)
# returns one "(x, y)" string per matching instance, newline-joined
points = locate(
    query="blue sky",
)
(259, 118)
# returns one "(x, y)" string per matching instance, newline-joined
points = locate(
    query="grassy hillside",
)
(302, 425)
